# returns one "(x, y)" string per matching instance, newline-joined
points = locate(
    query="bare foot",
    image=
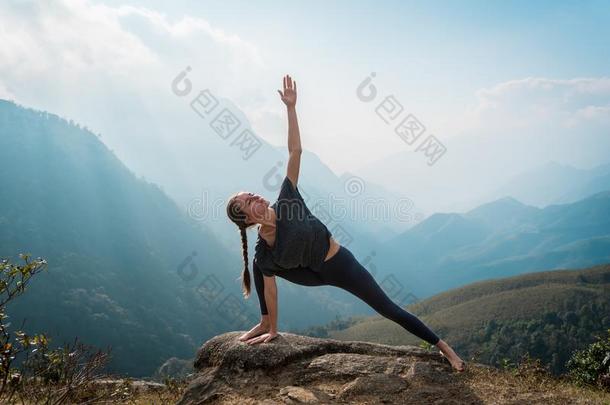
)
(258, 329)
(457, 363)
(446, 351)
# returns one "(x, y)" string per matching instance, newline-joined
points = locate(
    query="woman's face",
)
(253, 205)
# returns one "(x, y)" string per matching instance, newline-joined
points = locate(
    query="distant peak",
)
(509, 200)
(504, 207)
(506, 201)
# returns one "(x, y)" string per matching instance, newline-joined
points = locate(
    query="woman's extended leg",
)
(344, 271)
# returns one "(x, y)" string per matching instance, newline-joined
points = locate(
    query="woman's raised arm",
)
(289, 97)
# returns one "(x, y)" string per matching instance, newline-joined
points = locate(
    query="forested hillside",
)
(548, 315)
(113, 243)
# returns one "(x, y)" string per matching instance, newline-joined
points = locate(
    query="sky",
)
(461, 68)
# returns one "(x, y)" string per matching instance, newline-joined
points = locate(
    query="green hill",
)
(114, 244)
(548, 314)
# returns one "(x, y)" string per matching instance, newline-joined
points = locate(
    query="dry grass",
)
(527, 386)
(491, 385)
(125, 391)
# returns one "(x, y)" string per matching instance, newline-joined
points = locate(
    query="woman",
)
(293, 244)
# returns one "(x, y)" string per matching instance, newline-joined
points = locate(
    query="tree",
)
(44, 376)
(13, 280)
(591, 365)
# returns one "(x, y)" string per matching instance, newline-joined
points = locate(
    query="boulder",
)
(296, 369)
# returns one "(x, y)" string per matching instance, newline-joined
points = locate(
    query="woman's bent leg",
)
(344, 271)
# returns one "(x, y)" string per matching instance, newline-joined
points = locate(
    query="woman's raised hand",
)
(289, 97)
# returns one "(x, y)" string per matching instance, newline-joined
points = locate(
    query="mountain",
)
(504, 213)
(114, 244)
(587, 188)
(548, 314)
(120, 250)
(498, 239)
(554, 183)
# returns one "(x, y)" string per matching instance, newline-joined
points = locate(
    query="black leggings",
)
(344, 271)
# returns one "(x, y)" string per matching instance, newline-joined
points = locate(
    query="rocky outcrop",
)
(174, 368)
(300, 369)
(137, 386)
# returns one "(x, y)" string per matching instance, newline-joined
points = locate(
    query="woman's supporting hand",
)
(264, 338)
(289, 97)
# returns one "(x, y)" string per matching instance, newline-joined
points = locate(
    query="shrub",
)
(45, 376)
(591, 365)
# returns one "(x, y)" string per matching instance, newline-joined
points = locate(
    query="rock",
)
(374, 384)
(137, 385)
(299, 395)
(420, 369)
(301, 369)
(174, 368)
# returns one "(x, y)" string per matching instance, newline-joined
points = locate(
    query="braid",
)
(245, 275)
(239, 219)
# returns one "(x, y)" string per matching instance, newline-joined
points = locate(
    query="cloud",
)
(5, 93)
(51, 50)
(538, 103)
(74, 36)
(515, 126)
(592, 113)
(189, 28)
(111, 69)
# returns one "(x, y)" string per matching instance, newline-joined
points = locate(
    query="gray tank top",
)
(301, 239)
